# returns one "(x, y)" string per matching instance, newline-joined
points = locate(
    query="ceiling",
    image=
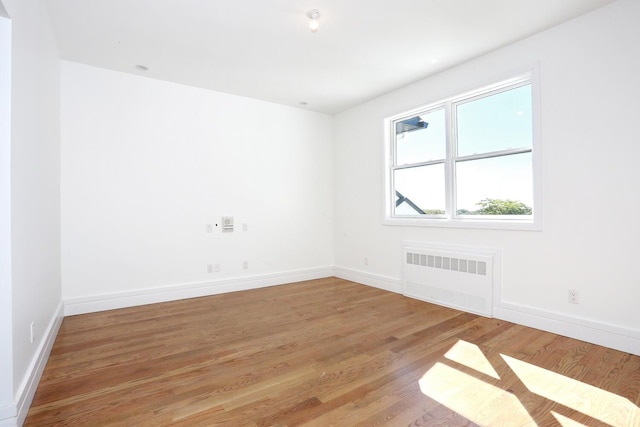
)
(263, 48)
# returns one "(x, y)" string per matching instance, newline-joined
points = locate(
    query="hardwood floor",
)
(325, 353)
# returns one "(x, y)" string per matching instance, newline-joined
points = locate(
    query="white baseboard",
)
(29, 385)
(612, 336)
(116, 300)
(375, 280)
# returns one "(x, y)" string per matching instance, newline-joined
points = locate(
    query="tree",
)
(502, 207)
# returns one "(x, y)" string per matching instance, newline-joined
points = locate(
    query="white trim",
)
(432, 245)
(29, 385)
(533, 223)
(607, 335)
(485, 224)
(7, 404)
(611, 336)
(375, 280)
(93, 303)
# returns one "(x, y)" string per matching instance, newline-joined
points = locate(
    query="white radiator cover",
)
(454, 276)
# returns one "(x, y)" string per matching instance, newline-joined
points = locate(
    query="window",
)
(467, 161)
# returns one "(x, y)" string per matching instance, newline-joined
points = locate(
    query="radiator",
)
(456, 277)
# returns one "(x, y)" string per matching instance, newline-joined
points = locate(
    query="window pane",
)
(420, 190)
(495, 186)
(421, 138)
(497, 122)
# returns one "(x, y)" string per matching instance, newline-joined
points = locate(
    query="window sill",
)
(497, 224)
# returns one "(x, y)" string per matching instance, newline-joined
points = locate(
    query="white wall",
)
(35, 199)
(591, 146)
(6, 336)
(146, 164)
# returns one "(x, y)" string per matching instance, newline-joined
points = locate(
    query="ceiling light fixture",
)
(314, 15)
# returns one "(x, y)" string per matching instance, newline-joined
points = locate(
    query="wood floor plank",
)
(326, 352)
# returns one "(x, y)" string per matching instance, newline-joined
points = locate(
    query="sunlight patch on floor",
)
(470, 355)
(474, 399)
(597, 403)
(567, 422)
(488, 405)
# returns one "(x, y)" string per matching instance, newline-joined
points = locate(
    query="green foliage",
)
(502, 207)
(490, 207)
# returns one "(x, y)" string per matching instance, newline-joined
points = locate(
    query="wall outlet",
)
(227, 224)
(245, 264)
(209, 268)
(574, 296)
(216, 268)
(366, 261)
(33, 332)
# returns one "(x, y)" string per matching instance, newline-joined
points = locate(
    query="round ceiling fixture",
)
(314, 15)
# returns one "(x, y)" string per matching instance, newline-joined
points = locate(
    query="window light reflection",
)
(567, 422)
(470, 355)
(597, 403)
(474, 399)
(489, 405)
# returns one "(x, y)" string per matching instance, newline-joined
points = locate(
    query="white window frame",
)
(502, 222)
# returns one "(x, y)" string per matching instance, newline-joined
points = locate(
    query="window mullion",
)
(393, 159)
(450, 180)
(417, 165)
(487, 157)
(493, 154)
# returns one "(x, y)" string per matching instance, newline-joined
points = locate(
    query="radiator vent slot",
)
(470, 266)
(460, 278)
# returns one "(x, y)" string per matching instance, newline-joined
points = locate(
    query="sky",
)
(498, 122)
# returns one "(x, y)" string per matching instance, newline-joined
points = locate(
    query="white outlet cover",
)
(227, 223)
